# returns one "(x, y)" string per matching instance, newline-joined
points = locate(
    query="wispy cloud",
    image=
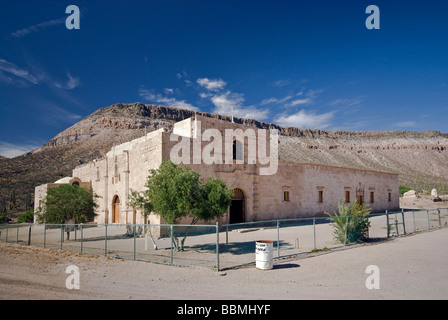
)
(37, 27)
(405, 124)
(229, 103)
(53, 114)
(11, 150)
(298, 102)
(304, 119)
(211, 84)
(168, 101)
(281, 83)
(345, 102)
(275, 100)
(70, 84)
(11, 73)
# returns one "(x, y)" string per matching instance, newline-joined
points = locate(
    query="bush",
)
(351, 220)
(403, 189)
(26, 217)
(3, 217)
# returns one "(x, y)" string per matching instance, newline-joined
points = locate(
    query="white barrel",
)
(264, 253)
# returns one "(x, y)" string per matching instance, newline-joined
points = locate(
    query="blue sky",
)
(308, 64)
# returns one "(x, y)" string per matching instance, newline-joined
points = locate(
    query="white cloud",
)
(10, 150)
(181, 75)
(281, 83)
(17, 73)
(231, 103)
(304, 119)
(37, 27)
(346, 102)
(169, 102)
(70, 84)
(298, 102)
(275, 100)
(212, 85)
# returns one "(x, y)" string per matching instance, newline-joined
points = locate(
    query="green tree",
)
(350, 222)
(26, 217)
(68, 203)
(140, 201)
(176, 192)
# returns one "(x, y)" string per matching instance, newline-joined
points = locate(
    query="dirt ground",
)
(410, 267)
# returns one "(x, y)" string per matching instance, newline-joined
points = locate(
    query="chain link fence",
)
(212, 246)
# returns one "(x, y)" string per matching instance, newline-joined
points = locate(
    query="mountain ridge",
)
(419, 157)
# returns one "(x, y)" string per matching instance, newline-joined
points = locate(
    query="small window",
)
(116, 170)
(372, 197)
(285, 195)
(347, 196)
(390, 196)
(97, 174)
(237, 150)
(321, 196)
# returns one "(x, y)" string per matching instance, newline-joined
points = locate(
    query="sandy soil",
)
(423, 202)
(411, 267)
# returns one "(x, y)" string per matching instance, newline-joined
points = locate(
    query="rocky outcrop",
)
(420, 158)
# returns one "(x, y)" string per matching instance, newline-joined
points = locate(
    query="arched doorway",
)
(116, 209)
(236, 214)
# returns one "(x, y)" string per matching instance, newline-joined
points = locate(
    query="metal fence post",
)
(387, 224)
(413, 218)
(314, 231)
(29, 235)
(17, 240)
(427, 215)
(135, 240)
(62, 234)
(278, 238)
(217, 246)
(440, 222)
(171, 237)
(105, 241)
(402, 219)
(82, 236)
(45, 235)
(346, 227)
(6, 239)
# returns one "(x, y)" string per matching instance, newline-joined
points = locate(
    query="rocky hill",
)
(421, 158)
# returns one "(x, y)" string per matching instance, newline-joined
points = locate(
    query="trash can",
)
(264, 253)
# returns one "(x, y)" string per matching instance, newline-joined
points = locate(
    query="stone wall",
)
(126, 167)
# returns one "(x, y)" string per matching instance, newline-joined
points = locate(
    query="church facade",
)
(245, 158)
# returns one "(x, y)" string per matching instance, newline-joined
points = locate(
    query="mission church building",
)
(292, 190)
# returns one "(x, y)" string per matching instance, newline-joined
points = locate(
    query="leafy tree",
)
(214, 199)
(68, 203)
(139, 200)
(26, 217)
(172, 191)
(176, 192)
(350, 222)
